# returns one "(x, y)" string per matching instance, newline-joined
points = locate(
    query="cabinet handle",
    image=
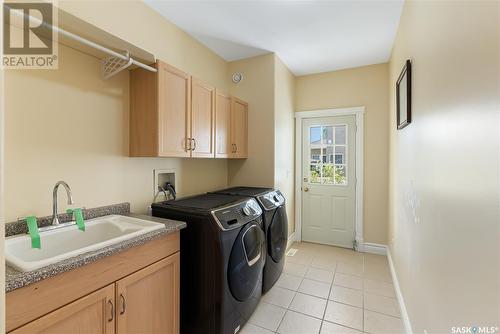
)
(112, 310)
(235, 148)
(194, 146)
(123, 304)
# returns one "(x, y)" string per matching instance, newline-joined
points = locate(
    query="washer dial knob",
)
(247, 211)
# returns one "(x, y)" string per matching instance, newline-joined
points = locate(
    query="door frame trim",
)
(299, 117)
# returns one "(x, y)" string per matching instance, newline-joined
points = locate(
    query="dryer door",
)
(246, 261)
(278, 234)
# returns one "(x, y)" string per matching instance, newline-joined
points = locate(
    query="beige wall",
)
(257, 88)
(70, 124)
(444, 167)
(363, 86)
(284, 127)
(268, 86)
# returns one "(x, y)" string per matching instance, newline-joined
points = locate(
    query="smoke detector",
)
(237, 77)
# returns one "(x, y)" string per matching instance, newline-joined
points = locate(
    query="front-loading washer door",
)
(277, 234)
(246, 261)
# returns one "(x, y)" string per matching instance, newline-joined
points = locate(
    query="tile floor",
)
(329, 290)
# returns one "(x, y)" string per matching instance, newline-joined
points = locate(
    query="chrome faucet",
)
(55, 220)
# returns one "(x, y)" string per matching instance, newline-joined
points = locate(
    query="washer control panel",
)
(272, 199)
(238, 214)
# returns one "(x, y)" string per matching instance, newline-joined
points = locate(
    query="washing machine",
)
(222, 260)
(275, 224)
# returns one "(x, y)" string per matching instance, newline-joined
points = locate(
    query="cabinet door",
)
(239, 128)
(174, 109)
(94, 313)
(148, 300)
(223, 125)
(202, 119)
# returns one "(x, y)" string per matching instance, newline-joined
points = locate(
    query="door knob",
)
(306, 189)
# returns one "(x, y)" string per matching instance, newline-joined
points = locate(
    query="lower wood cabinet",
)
(94, 313)
(147, 301)
(144, 302)
(135, 291)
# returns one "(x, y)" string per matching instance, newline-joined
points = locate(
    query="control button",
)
(246, 211)
(276, 198)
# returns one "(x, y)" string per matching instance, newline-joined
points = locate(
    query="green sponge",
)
(33, 232)
(78, 217)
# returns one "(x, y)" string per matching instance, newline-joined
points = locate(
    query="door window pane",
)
(340, 174)
(315, 174)
(328, 135)
(328, 155)
(340, 155)
(328, 176)
(340, 134)
(315, 155)
(315, 136)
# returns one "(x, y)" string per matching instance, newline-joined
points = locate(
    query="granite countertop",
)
(15, 279)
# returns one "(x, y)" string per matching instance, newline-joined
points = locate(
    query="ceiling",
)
(308, 36)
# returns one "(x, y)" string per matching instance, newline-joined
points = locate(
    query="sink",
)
(66, 242)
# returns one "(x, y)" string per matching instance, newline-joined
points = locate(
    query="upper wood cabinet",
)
(160, 110)
(231, 131)
(202, 120)
(94, 313)
(239, 128)
(175, 115)
(148, 300)
(223, 148)
(174, 94)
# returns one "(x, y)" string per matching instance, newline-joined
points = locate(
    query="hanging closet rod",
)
(83, 40)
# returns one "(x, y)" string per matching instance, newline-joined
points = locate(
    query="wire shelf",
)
(112, 65)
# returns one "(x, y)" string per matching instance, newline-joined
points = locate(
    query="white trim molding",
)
(291, 240)
(299, 116)
(373, 248)
(399, 294)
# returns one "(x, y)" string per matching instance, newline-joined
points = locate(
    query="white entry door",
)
(329, 180)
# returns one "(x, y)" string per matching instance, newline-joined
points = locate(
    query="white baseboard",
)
(379, 249)
(359, 245)
(399, 295)
(291, 240)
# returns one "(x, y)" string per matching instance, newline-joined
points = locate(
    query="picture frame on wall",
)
(403, 96)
